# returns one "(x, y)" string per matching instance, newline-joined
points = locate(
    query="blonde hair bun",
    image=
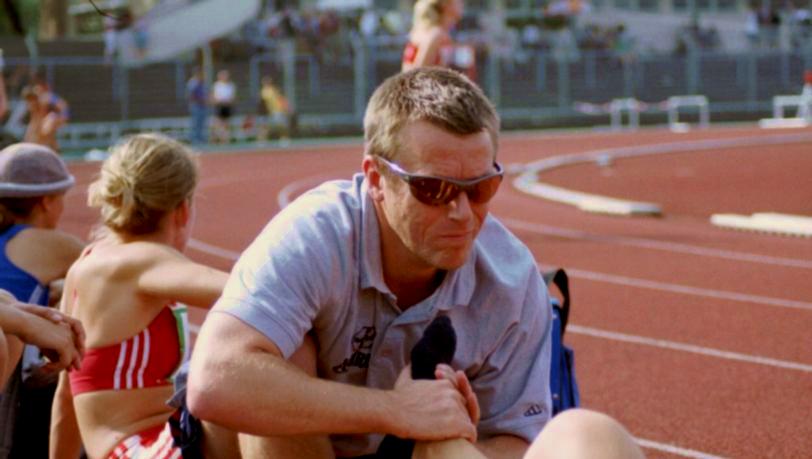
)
(145, 176)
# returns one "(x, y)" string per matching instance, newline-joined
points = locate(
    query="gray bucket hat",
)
(28, 170)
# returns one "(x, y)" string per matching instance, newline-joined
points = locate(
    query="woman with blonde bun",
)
(430, 42)
(129, 288)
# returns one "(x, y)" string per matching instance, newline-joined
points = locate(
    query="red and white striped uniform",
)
(147, 359)
(155, 443)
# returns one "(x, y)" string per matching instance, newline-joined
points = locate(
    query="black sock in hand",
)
(437, 345)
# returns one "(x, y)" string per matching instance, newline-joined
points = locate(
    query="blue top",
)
(19, 283)
(317, 265)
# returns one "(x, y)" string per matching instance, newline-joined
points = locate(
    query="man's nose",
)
(460, 207)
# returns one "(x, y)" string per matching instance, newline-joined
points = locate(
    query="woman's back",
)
(131, 335)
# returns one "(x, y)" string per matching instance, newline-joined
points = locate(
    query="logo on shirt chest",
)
(362, 342)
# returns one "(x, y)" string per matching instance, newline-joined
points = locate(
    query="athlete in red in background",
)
(430, 42)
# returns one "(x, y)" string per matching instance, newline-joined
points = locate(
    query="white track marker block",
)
(783, 224)
(680, 127)
(602, 205)
(782, 123)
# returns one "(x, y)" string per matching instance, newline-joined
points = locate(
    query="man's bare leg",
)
(219, 442)
(294, 447)
(448, 449)
(580, 433)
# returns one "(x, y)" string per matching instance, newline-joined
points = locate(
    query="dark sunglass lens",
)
(433, 191)
(482, 192)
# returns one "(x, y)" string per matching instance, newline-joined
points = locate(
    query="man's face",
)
(440, 236)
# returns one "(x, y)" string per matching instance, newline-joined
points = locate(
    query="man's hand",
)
(60, 338)
(430, 410)
(56, 317)
(462, 384)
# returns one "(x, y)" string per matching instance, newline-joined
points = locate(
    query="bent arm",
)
(169, 274)
(277, 398)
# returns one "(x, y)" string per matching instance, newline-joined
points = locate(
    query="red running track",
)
(696, 338)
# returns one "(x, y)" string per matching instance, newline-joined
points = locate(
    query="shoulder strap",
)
(559, 278)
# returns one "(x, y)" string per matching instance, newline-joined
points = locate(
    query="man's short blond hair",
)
(442, 97)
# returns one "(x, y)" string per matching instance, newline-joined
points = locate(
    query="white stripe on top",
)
(122, 353)
(144, 359)
(133, 361)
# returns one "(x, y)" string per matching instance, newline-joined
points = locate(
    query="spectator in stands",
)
(197, 97)
(278, 111)
(223, 97)
(623, 45)
(110, 38)
(323, 312)
(34, 256)
(3, 95)
(751, 25)
(47, 113)
(129, 289)
(369, 23)
(430, 42)
(58, 336)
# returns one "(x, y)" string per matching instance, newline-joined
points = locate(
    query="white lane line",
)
(687, 290)
(285, 195)
(694, 349)
(676, 450)
(657, 245)
(204, 247)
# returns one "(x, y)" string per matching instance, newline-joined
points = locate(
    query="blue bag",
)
(563, 383)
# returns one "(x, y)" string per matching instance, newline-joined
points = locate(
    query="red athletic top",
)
(410, 54)
(458, 57)
(147, 359)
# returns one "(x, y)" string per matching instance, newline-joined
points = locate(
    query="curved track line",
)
(657, 245)
(204, 247)
(528, 181)
(284, 197)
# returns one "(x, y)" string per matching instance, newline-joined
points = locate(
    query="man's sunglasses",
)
(436, 191)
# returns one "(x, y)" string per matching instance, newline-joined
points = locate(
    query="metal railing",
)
(528, 86)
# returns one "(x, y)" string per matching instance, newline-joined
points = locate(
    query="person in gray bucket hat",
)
(34, 257)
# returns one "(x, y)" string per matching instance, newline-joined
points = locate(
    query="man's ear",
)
(373, 177)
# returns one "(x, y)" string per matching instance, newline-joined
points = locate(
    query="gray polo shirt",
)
(317, 265)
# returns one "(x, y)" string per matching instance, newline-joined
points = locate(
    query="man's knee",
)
(290, 447)
(580, 433)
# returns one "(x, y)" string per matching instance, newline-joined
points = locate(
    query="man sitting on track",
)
(308, 350)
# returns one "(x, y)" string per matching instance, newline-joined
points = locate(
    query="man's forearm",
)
(262, 394)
